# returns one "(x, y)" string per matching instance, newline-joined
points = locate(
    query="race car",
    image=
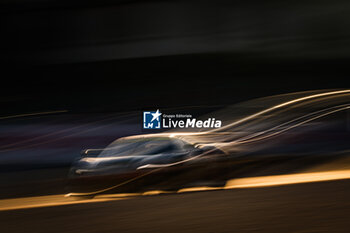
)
(144, 162)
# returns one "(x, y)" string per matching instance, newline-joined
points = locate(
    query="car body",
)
(146, 159)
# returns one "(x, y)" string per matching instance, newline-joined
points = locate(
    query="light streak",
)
(240, 183)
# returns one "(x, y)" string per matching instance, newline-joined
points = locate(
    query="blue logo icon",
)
(151, 120)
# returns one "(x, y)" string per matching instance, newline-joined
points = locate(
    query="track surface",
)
(299, 208)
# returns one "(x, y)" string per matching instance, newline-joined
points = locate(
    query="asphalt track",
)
(300, 207)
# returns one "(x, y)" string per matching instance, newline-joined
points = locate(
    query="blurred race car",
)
(145, 162)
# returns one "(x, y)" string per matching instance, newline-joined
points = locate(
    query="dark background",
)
(112, 56)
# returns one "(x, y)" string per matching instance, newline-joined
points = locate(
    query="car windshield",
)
(144, 147)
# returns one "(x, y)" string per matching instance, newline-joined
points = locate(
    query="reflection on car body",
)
(132, 157)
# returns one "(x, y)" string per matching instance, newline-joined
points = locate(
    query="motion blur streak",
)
(244, 140)
(112, 187)
(272, 121)
(254, 182)
(32, 114)
(283, 105)
(46, 201)
(5, 148)
(337, 108)
(251, 182)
